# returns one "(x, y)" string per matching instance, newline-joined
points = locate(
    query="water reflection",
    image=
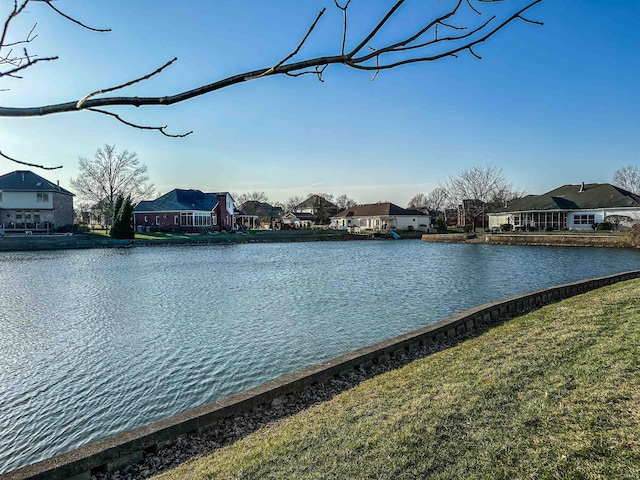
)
(125, 337)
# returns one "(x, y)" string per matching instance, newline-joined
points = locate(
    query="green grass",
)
(552, 394)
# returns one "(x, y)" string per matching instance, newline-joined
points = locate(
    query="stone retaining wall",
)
(129, 447)
(616, 241)
(569, 240)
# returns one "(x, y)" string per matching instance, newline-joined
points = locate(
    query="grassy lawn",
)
(552, 394)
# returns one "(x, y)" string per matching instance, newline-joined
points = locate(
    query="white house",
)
(570, 207)
(380, 217)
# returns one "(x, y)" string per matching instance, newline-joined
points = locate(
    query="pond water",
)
(95, 342)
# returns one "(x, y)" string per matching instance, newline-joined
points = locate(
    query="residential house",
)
(570, 207)
(31, 203)
(315, 210)
(186, 211)
(263, 215)
(380, 217)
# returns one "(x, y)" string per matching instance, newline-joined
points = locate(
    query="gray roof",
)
(180, 200)
(27, 181)
(575, 197)
(315, 201)
(261, 209)
(377, 209)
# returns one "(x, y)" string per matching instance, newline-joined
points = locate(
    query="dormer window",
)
(42, 197)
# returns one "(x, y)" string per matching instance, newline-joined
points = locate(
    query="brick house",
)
(189, 211)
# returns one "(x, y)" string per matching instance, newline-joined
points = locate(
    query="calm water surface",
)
(95, 342)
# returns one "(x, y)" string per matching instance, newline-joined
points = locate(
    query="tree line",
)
(112, 182)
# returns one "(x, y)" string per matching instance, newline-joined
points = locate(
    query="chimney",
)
(581, 188)
(58, 182)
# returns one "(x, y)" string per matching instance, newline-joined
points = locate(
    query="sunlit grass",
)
(552, 394)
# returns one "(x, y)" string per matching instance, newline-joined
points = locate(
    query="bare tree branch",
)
(271, 70)
(284, 68)
(141, 127)
(26, 40)
(28, 164)
(29, 63)
(344, 22)
(384, 57)
(48, 2)
(127, 84)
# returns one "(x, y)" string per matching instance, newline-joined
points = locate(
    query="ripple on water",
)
(117, 339)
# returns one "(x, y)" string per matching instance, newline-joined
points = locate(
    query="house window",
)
(186, 219)
(584, 219)
(176, 219)
(214, 220)
(201, 219)
(157, 220)
(42, 197)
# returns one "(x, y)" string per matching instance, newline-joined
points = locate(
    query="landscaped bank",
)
(572, 240)
(61, 242)
(552, 394)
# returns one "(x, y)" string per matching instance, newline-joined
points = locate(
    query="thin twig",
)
(318, 71)
(27, 40)
(475, 54)
(530, 21)
(473, 8)
(111, 89)
(271, 70)
(141, 127)
(30, 63)
(28, 164)
(344, 22)
(77, 22)
(443, 39)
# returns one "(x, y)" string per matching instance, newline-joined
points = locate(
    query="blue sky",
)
(549, 105)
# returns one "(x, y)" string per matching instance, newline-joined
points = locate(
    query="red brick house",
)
(189, 211)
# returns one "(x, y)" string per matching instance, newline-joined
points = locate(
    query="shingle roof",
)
(377, 209)
(261, 209)
(177, 200)
(26, 180)
(575, 197)
(315, 201)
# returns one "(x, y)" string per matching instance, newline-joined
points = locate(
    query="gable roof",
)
(261, 209)
(575, 197)
(178, 199)
(27, 181)
(378, 209)
(315, 201)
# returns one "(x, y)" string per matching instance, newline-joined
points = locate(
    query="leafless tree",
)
(461, 29)
(628, 178)
(108, 175)
(343, 202)
(418, 202)
(475, 188)
(290, 204)
(437, 199)
(241, 198)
